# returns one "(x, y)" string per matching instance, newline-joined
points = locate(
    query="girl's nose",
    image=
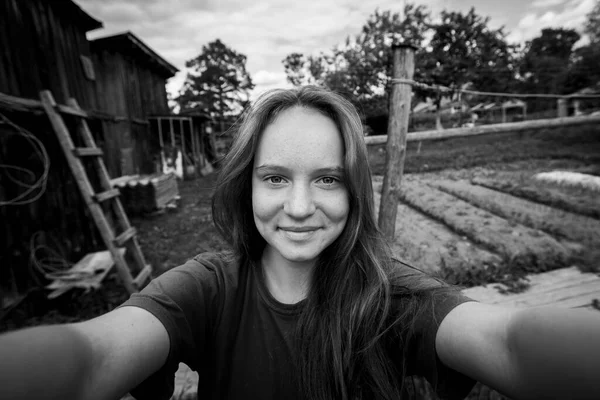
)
(299, 203)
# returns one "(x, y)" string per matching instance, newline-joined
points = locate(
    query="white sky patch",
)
(547, 3)
(572, 15)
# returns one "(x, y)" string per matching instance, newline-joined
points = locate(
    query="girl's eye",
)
(275, 179)
(329, 180)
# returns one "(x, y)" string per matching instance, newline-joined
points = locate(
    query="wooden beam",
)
(182, 135)
(160, 136)
(403, 69)
(172, 132)
(490, 129)
(14, 103)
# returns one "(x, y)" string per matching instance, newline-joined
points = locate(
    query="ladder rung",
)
(109, 194)
(125, 236)
(87, 151)
(143, 276)
(72, 111)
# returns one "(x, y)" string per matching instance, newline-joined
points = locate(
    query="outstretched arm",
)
(528, 353)
(98, 359)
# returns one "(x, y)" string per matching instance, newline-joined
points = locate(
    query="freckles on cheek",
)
(264, 205)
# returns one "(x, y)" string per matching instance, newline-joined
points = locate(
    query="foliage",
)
(545, 65)
(592, 26)
(464, 50)
(218, 84)
(360, 67)
(461, 52)
(584, 71)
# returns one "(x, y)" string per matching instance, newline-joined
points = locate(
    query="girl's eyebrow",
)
(280, 168)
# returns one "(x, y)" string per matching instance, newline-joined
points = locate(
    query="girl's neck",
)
(288, 282)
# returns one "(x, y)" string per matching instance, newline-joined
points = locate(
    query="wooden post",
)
(172, 132)
(562, 108)
(404, 67)
(160, 136)
(183, 155)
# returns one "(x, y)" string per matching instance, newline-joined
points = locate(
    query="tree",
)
(360, 67)
(465, 51)
(584, 71)
(592, 26)
(547, 61)
(218, 83)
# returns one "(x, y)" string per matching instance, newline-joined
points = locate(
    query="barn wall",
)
(40, 49)
(129, 88)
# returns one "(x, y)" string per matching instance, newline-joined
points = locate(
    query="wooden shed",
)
(43, 45)
(130, 82)
(119, 80)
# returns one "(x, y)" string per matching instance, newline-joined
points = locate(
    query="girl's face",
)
(299, 200)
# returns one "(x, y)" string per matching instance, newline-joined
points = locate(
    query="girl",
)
(310, 303)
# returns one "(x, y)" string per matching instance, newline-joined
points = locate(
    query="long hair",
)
(340, 334)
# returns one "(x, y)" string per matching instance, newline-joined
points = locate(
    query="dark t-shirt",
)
(223, 323)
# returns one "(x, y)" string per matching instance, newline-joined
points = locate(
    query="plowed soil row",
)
(515, 242)
(554, 196)
(430, 245)
(560, 223)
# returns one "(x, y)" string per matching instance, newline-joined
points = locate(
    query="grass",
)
(577, 143)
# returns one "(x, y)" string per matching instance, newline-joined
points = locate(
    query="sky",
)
(266, 31)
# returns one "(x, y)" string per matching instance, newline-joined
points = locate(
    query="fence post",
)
(562, 108)
(400, 100)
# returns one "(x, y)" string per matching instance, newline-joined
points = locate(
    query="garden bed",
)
(514, 242)
(430, 245)
(557, 222)
(568, 199)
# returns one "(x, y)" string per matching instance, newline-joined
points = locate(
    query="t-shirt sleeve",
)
(184, 301)
(447, 382)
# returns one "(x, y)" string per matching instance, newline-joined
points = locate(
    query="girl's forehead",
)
(301, 134)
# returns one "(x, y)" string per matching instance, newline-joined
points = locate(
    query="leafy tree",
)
(464, 51)
(218, 84)
(584, 71)
(592, 26)
(547, 60)
(361, 66)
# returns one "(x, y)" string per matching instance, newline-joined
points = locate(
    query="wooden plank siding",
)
(41, 47)
(41, 43)
(131, 81)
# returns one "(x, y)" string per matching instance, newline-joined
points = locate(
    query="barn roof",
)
(76, 13)
(128, 43)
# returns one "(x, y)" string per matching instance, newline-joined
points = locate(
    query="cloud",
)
(572, 15)
(264, 31)
(268, 30)
(547, 3)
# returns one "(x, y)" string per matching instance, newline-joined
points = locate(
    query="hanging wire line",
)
(446, 89)
(34, 190)
(50, 261)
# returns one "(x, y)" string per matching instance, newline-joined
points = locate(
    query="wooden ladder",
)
(123, 234)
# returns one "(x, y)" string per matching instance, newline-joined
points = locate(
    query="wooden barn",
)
(130, 82)
(118, 80)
